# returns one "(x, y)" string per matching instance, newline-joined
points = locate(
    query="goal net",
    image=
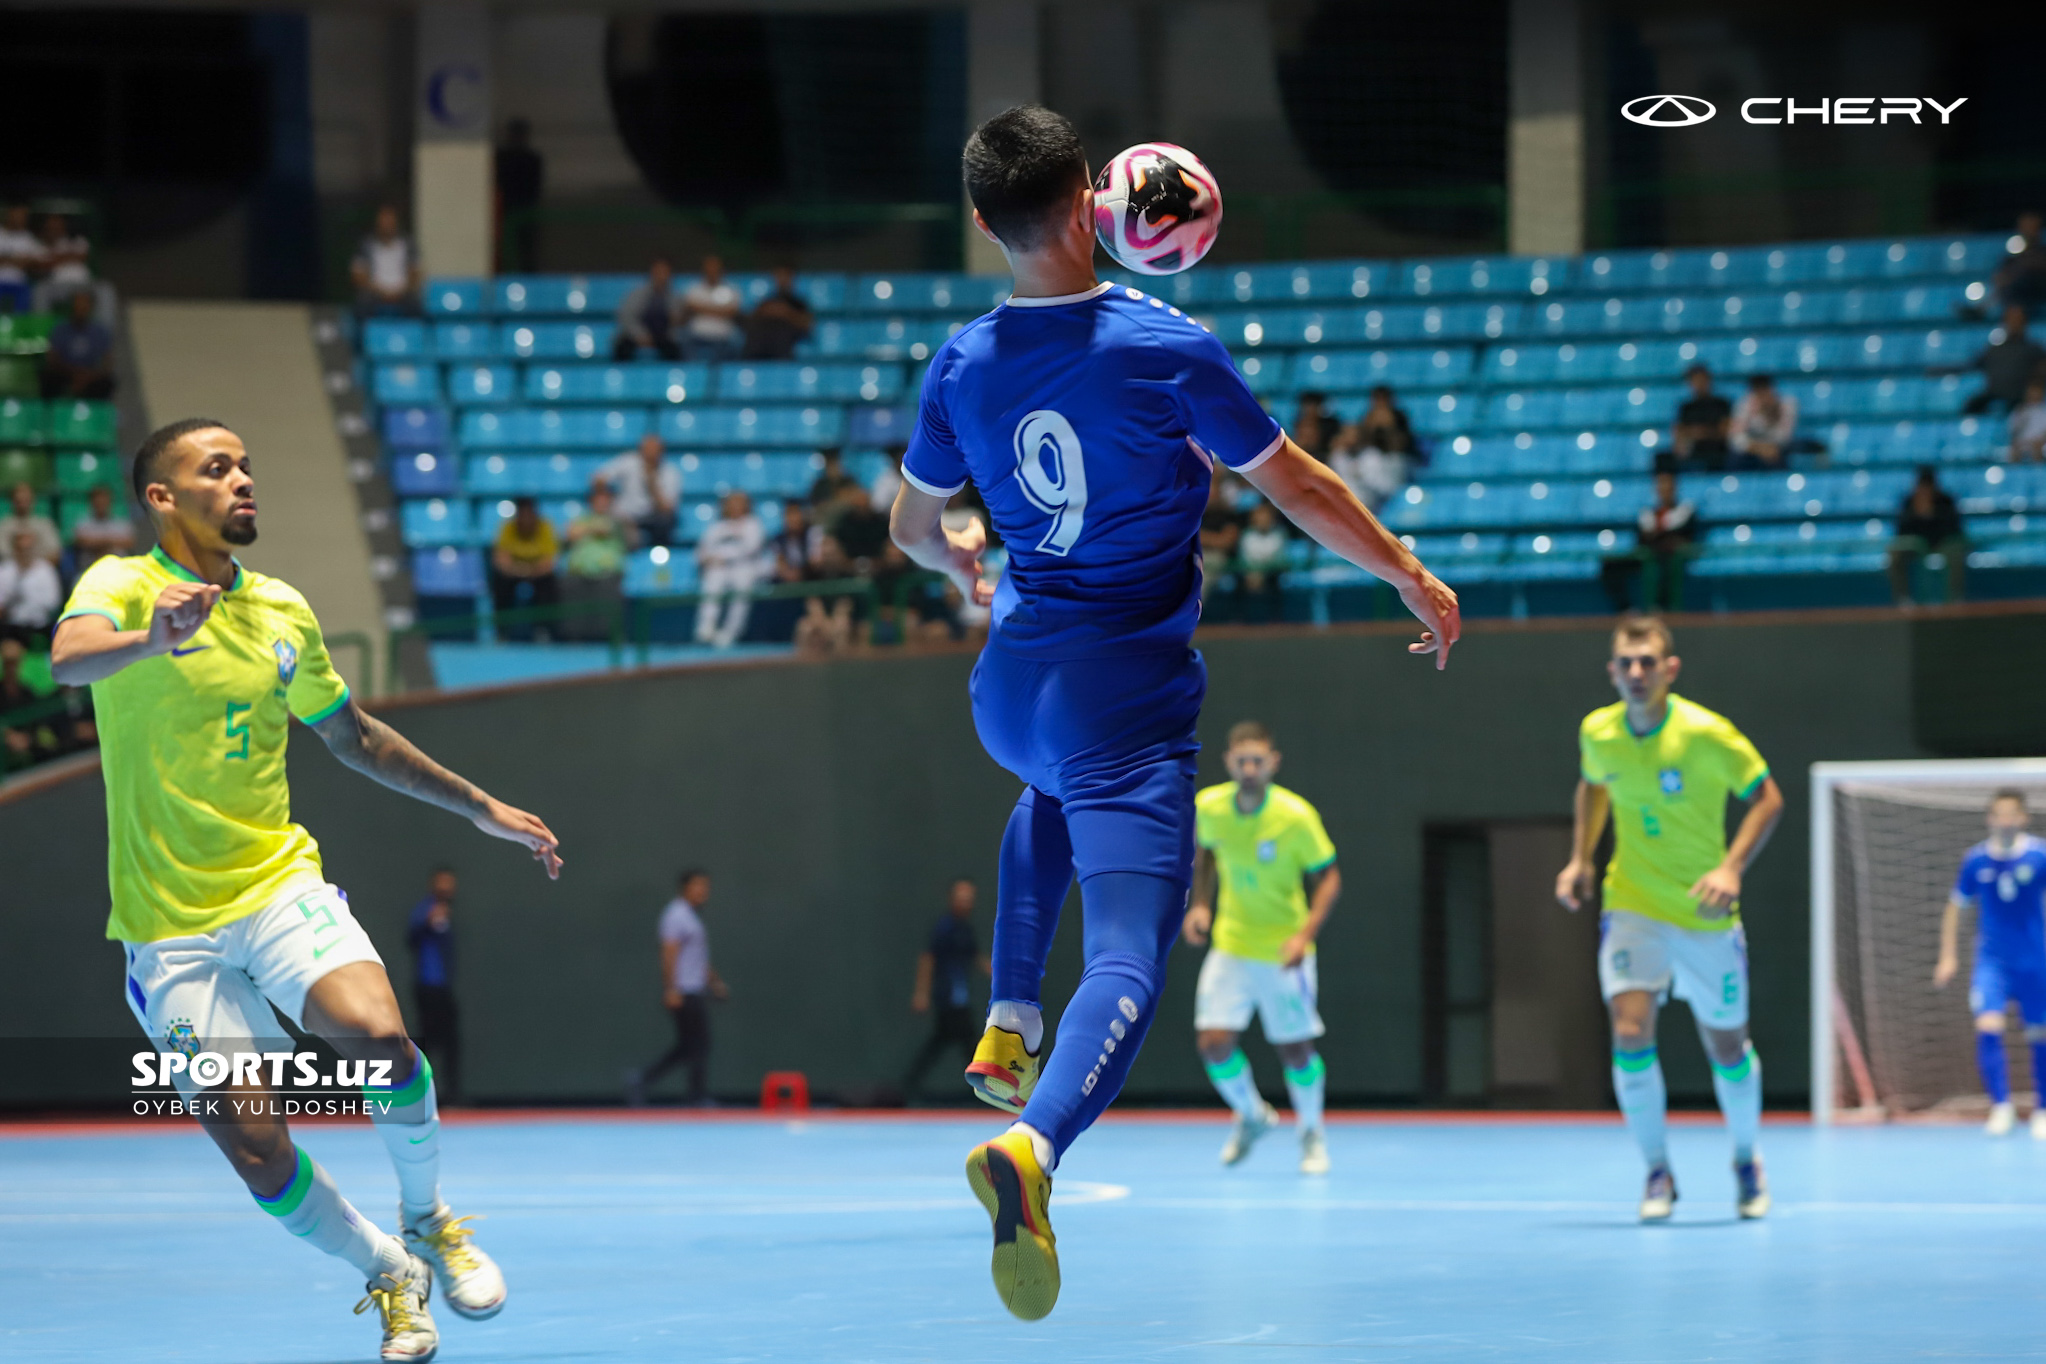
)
(1887, 839)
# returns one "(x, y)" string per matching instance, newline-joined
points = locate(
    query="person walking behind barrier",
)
(689, 983)
(431, 935)
(944, 985)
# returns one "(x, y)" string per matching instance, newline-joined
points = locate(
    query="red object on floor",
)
(785, 1091)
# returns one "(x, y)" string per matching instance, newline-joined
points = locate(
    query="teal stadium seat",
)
(464, 341)
(453, 297)
(394, 338)
(554, 340)
(641, 382)
(482, 385)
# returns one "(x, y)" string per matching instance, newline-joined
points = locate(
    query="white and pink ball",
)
(1157, 209)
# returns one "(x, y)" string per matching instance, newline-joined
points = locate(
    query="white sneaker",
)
(1659, 1198)
(1313, 1152)
(470, 1281)
(1752, 1201)
(2039, 1123)
(1245, 1134)
(400, 1300)
(2002, 1117)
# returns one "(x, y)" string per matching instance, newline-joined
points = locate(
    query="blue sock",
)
(1989, 1056)
(1644, 1101)
(1036, 871)
(2038, 1070)
(1132, 920)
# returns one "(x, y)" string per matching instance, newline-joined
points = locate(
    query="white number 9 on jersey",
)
(1053, 473)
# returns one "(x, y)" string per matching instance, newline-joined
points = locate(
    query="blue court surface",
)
(854, 1239)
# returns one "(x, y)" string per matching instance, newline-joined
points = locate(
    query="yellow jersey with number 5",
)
(1669, 791)
(199, 829)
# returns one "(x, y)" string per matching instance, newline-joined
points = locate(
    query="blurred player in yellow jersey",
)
(1265, 880)
(1663, 767)
(198, 667)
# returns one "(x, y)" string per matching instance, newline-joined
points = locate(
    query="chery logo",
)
(1686, 111)
(1668, 111)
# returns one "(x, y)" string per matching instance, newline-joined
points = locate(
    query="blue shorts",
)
(1996, 982)
(1112, 740)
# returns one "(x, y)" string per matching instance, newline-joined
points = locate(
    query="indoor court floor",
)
(743, 1238)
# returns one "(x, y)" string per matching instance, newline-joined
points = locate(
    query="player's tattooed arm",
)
(385, 756)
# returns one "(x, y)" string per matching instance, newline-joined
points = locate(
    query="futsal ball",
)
(1156, 208)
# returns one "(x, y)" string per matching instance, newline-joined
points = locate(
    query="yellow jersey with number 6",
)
(1669, 791)
(1261, 859)
(199, 829)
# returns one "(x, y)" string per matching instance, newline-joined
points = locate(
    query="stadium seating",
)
(1542, 388)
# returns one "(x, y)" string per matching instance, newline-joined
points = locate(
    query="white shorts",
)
(213, 991)
(1231, 989)
(1707, 968)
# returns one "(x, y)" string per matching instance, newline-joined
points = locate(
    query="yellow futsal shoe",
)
(1016, 1192)
(1002, 1073)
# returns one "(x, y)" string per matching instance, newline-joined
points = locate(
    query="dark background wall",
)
(834, 801)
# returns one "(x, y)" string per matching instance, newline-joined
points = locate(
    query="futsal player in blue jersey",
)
(2004, 878)
(1089, 417)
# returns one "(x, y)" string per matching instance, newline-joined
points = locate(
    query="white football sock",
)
(407, 1117)
(1739, 1088)
(312, 1209)
(1233, 1081)
(1644, 1100)
(1307, 1087)
(1040, 1144)
(1025, 1020)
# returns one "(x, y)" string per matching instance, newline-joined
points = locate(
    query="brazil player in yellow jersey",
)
(1265, 880)
(1663, 769)
(197, 668)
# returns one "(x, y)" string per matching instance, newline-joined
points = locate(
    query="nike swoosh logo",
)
(180, 653)
(319, 952)
(416, 1140)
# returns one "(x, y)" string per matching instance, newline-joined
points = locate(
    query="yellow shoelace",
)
(394, 1304)
(450, 1241)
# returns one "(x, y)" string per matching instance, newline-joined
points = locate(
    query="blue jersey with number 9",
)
(1090, 424)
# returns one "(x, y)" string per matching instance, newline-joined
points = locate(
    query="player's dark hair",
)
(149, 455)
(2009, 793)
(690, 874)
(1021, 167)
(1249, 732)
(1646, 627)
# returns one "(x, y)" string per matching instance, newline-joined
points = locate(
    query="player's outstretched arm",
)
(90, 648)
(917, 525)
(1573, 883)
(382, 754)
(1318, 502)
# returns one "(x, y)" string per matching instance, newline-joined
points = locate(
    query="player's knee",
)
(1989, 1022)
(1215, 1046)
(1295, 1055)
(1631, 1033)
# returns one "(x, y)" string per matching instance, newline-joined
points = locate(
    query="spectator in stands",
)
(688, 983)
(780, 322)
(1764, 424)
(646, 316)
(1666, 536)
(19, 256)
(888, 482)
(526, 556)
(1314, 426)
(1928, 523)
(1375, 454)
(430, 933)
(828, 490)
(710, 315)
(30, 592)
(1703, 423)
(519, 173)
(80, 360)
(26, 516)
(730, 559)
(2028, 423)
(101, 533)
(2021, 280)
(594, 567)
(61, 260)
(2007, 363)
(798, 547)
(944, 986)
(31, 741)
(862, 529)
(386, 270)
(1261, 563)
(647, 488)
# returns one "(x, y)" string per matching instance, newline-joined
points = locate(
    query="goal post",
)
(1886, 839)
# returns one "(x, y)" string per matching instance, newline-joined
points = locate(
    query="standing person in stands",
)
(1928, 523)
(525, 554)
(386, 270)
(198, 668)
(520, 174)
(646, 316)
(688, 983)
(780, 322)
(1703, 421)
(646, 488)
(710, 315)
(430, 933)
(944, 985)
